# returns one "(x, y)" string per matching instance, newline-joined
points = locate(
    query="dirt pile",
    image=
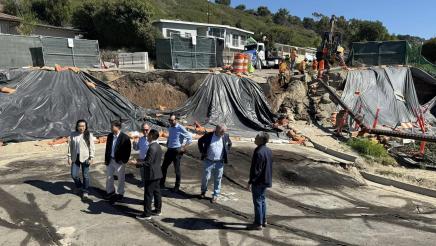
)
(153, 95)
(324, 109)
(290, 99)
(156, 89)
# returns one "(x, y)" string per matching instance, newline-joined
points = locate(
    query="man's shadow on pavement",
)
(205, 224)
(94, 207)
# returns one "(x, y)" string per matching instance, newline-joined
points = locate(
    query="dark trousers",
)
(152, 190)
(259, 203)
(75, 171)
(171, 156)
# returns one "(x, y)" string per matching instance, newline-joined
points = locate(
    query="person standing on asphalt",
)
(214, 147)
(260, 178)
(118, 148)
(81, 152)
(152, 175)
(141, 144)
(178, 140)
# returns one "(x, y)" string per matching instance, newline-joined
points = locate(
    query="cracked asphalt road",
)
(313, 202)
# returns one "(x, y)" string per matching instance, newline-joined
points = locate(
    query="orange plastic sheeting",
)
(7, 90)
(91, 85)
(59, 140)
(59, 68)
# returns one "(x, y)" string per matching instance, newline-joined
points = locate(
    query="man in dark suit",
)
(214, 147)
(152, 176)
(118, 148)
(260, 178)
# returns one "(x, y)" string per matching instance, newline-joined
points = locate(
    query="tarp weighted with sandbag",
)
(46, 104)
(237, 102)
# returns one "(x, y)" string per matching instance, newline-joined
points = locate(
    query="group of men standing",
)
(213, 146)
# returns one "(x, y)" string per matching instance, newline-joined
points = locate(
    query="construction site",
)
(353, 141)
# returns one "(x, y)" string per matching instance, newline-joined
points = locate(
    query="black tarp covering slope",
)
(390, 89)
(47, 104)
(239, 103)
(425, 85)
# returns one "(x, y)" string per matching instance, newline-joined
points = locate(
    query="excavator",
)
(331, 45)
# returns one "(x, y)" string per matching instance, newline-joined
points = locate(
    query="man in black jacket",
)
(214, 147)
(152, 176)
(118, 148)
(260, 178)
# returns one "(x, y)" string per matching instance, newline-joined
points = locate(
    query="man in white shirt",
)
(117, 154)
(214, 148)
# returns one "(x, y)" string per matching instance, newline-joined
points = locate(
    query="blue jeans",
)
(217, 168)
(75, 170)
(258, 192)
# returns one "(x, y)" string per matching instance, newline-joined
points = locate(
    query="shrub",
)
(371, 149)
(117, 24)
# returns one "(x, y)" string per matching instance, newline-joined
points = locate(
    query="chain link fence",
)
(21, 51)
(185, 53)
(389, 53)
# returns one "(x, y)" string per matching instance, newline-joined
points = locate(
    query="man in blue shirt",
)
(214, 147)
(179, 138)
(141, 144)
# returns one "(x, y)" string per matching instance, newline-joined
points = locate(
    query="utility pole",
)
(208, 11)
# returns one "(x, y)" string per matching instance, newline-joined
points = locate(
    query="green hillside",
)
(221, 14)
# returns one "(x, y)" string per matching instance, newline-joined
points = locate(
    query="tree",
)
(429, 50)
(309, 23)
(53, 12)
(239, 24)
(117, 24)
(240, 7)
(223, 2)
(414, 40)
(295, 20)
(281, 17)
(263, 11)
(251, 11)
(27, 24)
(370, 31)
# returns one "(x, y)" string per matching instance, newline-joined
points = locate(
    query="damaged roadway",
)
(314, 201)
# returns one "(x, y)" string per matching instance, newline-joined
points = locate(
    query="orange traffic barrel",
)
(246, 61)
(238, 63)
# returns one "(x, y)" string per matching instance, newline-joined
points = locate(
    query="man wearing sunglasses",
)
(179, 138)
(141, 144)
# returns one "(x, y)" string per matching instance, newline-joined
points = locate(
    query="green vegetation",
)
(52, 12)
(123, 23)
(117, 24)
(371, 149)
(429, 50)
(259, 21)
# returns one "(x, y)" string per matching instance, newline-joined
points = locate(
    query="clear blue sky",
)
(416, 17)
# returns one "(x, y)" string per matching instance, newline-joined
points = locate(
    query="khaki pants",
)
(118, 169)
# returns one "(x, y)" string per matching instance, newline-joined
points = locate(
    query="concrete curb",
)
(404, 186)
(334, 153)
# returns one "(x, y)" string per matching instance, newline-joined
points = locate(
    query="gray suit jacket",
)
(86, 152)
(152, 162)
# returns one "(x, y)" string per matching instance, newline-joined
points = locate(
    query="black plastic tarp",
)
(239, 103)
(425, 85)
(389, 89)
(47, 104)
